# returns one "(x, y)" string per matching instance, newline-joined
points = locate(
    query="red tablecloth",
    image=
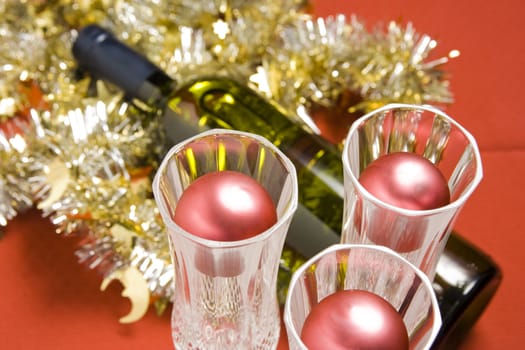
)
(49, 301)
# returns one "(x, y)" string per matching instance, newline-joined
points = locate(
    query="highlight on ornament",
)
(225, 206)
(354, 319)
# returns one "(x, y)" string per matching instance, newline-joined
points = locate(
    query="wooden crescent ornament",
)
(135, 289)
(58, 176)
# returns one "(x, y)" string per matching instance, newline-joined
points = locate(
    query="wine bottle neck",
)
(100, 53)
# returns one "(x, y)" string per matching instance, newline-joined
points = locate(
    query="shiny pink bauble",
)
(406, 180)
(354, 319)
(225, 206)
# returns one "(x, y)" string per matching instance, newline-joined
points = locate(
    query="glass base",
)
(241, 329)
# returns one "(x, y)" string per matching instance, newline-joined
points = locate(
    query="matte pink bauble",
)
(225, 206)
(354, 319)
(406, 180)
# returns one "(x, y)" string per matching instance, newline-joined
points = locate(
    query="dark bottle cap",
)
(100, 53)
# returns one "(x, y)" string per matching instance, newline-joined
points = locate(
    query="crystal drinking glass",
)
(369, 268)
(418, 235)
(225, 291)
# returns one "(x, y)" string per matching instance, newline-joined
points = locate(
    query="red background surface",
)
(49, 301)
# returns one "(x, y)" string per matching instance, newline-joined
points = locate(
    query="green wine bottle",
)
(224, 103)
(218, 102)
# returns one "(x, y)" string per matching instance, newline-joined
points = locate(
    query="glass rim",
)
(437, 320)
(171, 224)
(453, 205)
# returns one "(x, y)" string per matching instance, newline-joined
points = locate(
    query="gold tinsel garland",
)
(80, 153)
